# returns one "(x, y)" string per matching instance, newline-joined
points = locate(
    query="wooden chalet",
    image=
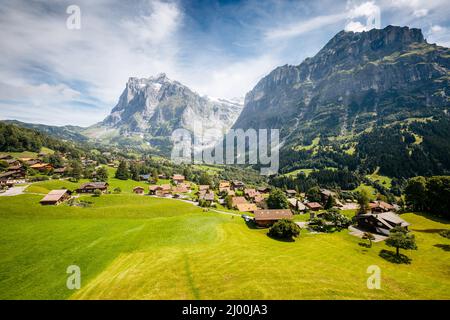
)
(380, 223)
(224, 186)
(237, 185)
(266, 218)
(180, 188)
(250, 193)
(41, 166)
(290, 192)
(139, 190)
(380, 206)
(203, 187)
(246, 207)
(178, 178)
(237, 200)
(90, 187)
(12, 175)
(314, 206)
(56, 197)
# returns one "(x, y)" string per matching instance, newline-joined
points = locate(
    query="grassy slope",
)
(130, 246)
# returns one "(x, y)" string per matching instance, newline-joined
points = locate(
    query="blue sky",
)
(50, 74)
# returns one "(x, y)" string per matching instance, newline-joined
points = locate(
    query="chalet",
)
(224, 186)
(259, 199)
(237, 185)
(209, 196)
(263, 189)
(5, 157)
(60, 170)
(246, 207)
(162, 176)
(90, 187)
(314, 206)
(181, 188)
(12, 162)
(290, 193)
(231, 193)
(56, 197)
(266, 218)
(178, 178)
(293, 203)
(12, 175)
(380, 206)
(41, 166)
(153, 189)
(380, 223)
(144, 177)
(325, 194)
(237, 200)
(203, 187)
(163, 190)
(138, 190)
(250, 193)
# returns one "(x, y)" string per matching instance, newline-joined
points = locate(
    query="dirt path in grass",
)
(14, 191)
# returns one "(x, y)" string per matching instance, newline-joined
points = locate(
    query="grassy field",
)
(139, 247)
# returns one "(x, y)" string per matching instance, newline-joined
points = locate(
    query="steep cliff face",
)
(356, 80)
(153, 108)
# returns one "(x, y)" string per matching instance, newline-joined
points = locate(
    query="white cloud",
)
(303, 27)
(419, 13)
(102, 54)
(355, 26)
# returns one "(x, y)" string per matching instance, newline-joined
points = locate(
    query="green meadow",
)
(139, 247)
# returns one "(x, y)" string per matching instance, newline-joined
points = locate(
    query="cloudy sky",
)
(52, 74)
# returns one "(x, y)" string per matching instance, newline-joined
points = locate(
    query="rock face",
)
(153, 108)
(355, 80)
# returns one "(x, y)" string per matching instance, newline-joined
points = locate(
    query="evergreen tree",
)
(122, 171)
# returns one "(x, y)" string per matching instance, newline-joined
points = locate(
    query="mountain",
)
(357, 82)
(149, 110)
(67, 133)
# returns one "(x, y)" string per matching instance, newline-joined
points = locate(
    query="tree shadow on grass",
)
(392, 257)
(428, 230)
(445, 247)
(281, 239)
(365, 245)
(251, 224)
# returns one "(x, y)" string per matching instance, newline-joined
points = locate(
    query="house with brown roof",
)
(237, 200)
(178, 178)
(41, 166)
(314, 206)
(246, 207)
(90, 187)
(181, 188)
(224, 185)
(380, 206)
(207, 196)
(250, 193)
(139, 190)
(56, 197)
(237, 185)
(290, 192)
(203, 187)
(12, 175)
(152, 189)
(266, 218)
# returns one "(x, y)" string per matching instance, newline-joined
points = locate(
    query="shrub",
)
(277, 200)
(284, 229)
(445, 233)
(97, 193)
(117, 190)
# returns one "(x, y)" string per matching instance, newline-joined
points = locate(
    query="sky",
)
(61, 68)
